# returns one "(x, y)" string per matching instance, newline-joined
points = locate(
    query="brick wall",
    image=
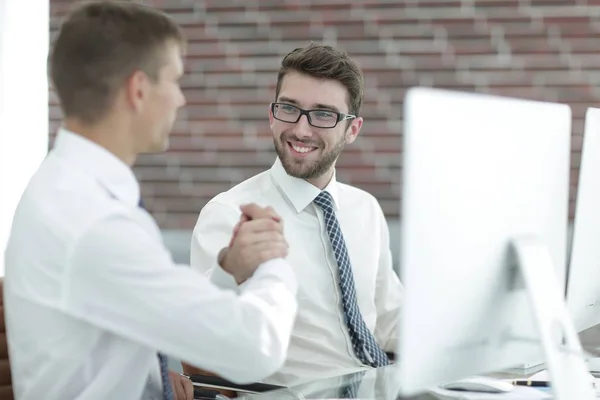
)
(536, 49)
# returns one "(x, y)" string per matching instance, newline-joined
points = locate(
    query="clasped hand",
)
(257, 238)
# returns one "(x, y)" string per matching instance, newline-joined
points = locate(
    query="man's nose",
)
(303, 128)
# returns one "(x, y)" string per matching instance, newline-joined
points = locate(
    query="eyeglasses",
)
(317, 118)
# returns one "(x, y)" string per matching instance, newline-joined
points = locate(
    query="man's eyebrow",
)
(326, 107)
(287, 100)
(319, 106)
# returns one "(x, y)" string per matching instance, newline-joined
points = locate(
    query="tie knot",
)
(324, 200)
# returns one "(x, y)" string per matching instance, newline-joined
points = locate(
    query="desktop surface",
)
(373, 384)
(369, 384)
(378, 384)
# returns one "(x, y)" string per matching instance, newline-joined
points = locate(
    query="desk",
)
(378, 384)
(371, 384)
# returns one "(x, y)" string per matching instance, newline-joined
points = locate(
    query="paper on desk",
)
(545, 376)
(519, 393)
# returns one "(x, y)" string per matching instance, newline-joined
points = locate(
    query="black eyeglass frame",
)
(340, 116)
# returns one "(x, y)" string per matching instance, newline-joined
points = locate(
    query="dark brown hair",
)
(322, 61)
(100, 44)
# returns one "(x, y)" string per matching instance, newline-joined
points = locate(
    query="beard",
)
(305, 168)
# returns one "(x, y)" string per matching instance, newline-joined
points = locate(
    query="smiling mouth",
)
(300, 149)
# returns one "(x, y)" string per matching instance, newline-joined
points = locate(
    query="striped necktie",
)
(363, 342)
(163, 362)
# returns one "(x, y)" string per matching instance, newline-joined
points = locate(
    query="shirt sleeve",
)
(212, 232)
(123, 280)
(388, 293)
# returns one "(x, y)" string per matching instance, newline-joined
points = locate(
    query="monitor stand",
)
(564, 355)
(593, 365)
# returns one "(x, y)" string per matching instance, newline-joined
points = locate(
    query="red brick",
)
(222, 136)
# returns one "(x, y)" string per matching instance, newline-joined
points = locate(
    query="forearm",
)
(242, 338)
(212, 233)
(178, 311)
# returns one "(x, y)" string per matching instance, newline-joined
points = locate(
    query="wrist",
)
(221, 257)
(222, 261)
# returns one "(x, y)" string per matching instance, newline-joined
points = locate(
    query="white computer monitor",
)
(478, 172)
(583, 287)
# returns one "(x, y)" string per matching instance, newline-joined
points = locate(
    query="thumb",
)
(253, 211)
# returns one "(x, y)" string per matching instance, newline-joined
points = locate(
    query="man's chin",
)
(297, 170)
(157, 148)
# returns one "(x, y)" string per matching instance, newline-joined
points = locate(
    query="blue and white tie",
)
(164, 374)
(364, 344)
(163, 362)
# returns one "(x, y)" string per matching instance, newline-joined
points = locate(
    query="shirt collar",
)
(112, 173)
(298, 191)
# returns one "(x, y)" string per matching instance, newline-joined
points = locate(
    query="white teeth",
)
(302, 149)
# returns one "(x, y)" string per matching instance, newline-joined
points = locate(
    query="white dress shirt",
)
(320, 344)
(91, 292)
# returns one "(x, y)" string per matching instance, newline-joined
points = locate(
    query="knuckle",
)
(265, 254)
(281, 252)
(280, 239)
(242, 240)
(242, 227)
(243, 259)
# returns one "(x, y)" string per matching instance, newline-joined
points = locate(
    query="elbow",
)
(269, 362)
(261, 350)
(263, 361)
(271, 341)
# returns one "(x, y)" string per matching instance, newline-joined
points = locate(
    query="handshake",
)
(257, 238)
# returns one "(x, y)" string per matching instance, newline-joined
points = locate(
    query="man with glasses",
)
(349, 296)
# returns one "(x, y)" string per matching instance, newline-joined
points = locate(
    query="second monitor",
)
(583, 290)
